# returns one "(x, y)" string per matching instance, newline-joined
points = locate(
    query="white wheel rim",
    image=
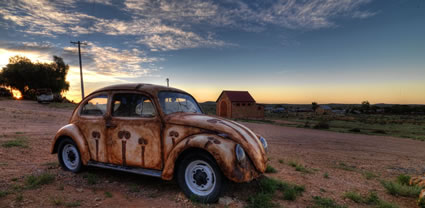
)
(70, 156)
(200, 178)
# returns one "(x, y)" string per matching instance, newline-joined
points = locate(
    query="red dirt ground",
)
(320, 151)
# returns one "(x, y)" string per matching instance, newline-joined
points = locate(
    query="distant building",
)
(238, 104)
(323, 110)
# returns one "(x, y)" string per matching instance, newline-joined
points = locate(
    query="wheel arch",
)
(221, 150)
(72, 132)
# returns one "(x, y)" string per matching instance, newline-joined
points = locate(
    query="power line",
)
(81, 67)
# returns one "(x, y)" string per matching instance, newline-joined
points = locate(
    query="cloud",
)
(42, 17)
(101, 59)
(252, 16)
(311, 14)
(187, 10)
(173, 25)
(114, 61)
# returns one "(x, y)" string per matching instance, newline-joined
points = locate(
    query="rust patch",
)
(188, 140)
(207, 144)
(96, 137)
(174, 134)
(143, 156)
(124, 136)
(143, 143)
(214, 121)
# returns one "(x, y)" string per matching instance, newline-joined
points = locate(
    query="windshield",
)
(173, 102)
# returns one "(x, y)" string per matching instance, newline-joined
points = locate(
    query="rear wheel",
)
(69, 156)
(200, 177)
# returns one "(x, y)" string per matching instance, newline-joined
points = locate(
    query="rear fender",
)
(71, 131)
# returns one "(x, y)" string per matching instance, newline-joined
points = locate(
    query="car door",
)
(92, 125)
(134, 130)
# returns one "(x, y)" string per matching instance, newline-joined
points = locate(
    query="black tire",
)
(74, 165)
(200, 177)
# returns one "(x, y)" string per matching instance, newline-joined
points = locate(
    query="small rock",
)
(225, 201)
(97, 199)
(79, 190)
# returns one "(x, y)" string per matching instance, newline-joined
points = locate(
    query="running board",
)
(140, 171)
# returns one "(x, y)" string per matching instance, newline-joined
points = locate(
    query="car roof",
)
(143, 87)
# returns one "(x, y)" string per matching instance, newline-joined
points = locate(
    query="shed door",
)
(223, 109)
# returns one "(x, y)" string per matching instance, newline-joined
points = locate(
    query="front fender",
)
(223, 151)
(71, 131)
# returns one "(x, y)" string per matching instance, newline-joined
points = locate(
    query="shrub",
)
(91, 178)
(369, 175)
(380, 132)
(326, 175)
(20, 141)
(421, 202)
(320, 202)
(73, 204)
(403, 179)
(33, 181)
(384, 204)
(354, 196)
(3, 193)
(355, 130)
(346, 167)
(398, 189)
(57, 201)
(323, 124)
(372, 198)
(261, 200)
(108, 194)
(299, 167)
(270, 169)
(268, 187)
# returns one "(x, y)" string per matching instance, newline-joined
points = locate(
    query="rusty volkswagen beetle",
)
(162, 132)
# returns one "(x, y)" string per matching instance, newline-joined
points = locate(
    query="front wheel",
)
(200, 177)
(69, 156)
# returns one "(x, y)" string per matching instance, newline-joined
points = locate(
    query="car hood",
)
(226, 128)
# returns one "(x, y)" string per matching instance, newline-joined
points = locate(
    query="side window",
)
(132, 105)
(95, 106)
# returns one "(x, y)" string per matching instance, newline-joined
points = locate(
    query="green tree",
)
(26, 76)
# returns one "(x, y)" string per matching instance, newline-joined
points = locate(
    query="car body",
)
(44, 95)
(159, 131)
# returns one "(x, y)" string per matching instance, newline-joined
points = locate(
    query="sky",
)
(281, 51)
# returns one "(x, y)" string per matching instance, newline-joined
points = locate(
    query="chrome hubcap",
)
(200, 178)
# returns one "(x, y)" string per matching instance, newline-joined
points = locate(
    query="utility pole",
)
(81, 67)
(168, 82)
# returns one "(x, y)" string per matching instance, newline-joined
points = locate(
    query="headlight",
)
(240, 153)
(264, 142)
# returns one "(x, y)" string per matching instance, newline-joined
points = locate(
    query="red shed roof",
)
(237, 96)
